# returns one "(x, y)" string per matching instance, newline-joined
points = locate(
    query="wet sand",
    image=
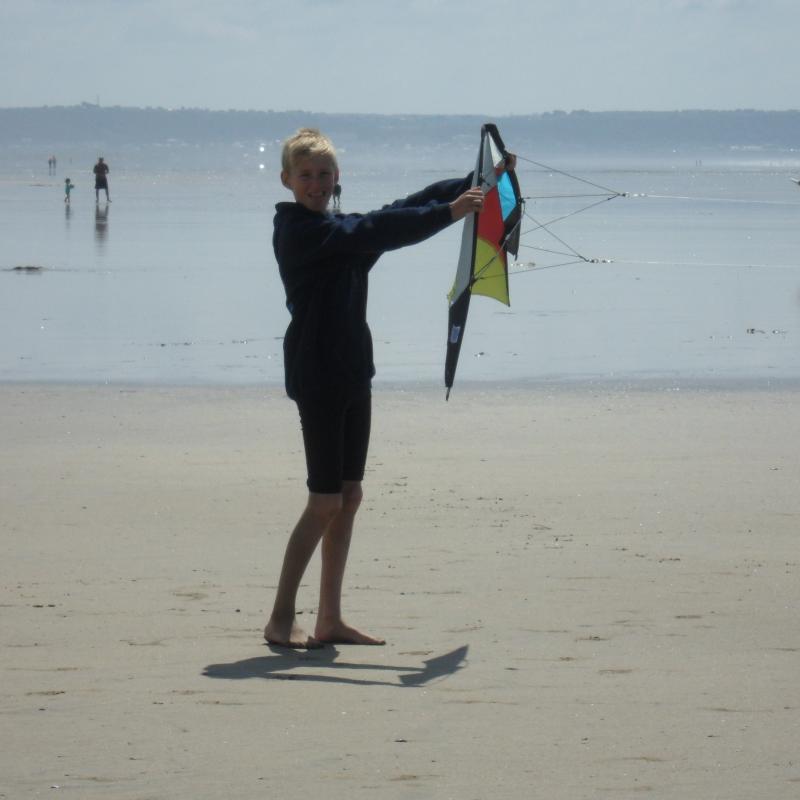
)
(587, 592)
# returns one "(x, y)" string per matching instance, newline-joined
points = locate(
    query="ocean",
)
(693, 275)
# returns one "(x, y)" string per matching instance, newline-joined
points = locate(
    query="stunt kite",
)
(487, 239)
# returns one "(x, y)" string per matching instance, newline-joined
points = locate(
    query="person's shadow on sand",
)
(276, 667)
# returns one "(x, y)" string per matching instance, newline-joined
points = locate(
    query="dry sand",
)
(587, 593)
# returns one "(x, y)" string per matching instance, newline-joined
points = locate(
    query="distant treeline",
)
(581, 130)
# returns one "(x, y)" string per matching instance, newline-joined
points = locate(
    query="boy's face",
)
(311, 180)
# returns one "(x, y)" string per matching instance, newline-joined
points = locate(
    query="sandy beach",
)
(587, 592)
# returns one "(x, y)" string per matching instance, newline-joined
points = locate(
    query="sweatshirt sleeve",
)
(305, 237)
(439, 192)
(313, 237)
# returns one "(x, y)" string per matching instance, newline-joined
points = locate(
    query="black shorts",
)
(100, 183)
(336, 440)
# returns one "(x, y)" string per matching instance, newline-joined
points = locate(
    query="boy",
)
(68, 187)
(324, 261)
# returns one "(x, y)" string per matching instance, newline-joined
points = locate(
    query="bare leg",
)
(330, 626)
(282, 628)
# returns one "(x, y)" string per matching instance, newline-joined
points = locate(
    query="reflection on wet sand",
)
(100, 225)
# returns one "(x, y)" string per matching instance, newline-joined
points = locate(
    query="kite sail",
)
(487, 239)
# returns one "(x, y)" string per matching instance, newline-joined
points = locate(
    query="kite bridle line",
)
(606, 190)
(605, 199)
(544, 226)
(577, 258)
(573, 254)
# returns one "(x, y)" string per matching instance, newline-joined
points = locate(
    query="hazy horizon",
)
(676, 134)
(97, 103)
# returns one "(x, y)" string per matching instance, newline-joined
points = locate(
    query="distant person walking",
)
(337, 195)
(68, 187)
(51, 165)
(101, 179)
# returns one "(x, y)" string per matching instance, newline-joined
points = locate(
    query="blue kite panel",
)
(508, 201)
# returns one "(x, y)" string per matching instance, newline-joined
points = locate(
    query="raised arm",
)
(304, 237)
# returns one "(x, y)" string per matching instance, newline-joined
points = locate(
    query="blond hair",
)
(306, 143)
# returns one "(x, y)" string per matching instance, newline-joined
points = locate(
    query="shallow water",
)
(175, 280)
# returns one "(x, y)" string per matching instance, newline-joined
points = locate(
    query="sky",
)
(402, 56)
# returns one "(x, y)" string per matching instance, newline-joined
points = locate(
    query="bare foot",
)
(339, 633)
(289, 636)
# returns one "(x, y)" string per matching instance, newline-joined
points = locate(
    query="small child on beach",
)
(68, 187)
(324, 261)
